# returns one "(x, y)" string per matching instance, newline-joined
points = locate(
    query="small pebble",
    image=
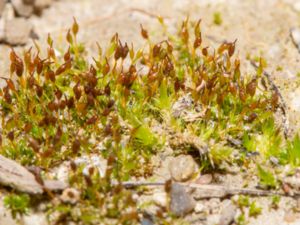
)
(17, 31)
(8, 12)
(95, 161)
(146, 221)
(181, 202)
(182, 167)
(228, 213)
(199, 207)
(55, 185)
(204, 179)
(292, 181)
(70, 195)
(21, 8)
(213, 205)
(35, 219)
(160, 199)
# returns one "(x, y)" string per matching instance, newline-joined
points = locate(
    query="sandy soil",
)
(262, 28)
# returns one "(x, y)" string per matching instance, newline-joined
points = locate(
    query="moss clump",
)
(127, 106)
(18, 204)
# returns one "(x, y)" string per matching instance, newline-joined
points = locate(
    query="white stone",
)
(199, 207)
(17, 31)
(92, 161)
(61, 172)
(160, 199)
(35, 219)
(70, 195)
(8, 12)
(182, 167)
(21, 8)
(213, 219)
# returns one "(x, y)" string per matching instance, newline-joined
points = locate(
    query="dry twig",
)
(202, 191)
